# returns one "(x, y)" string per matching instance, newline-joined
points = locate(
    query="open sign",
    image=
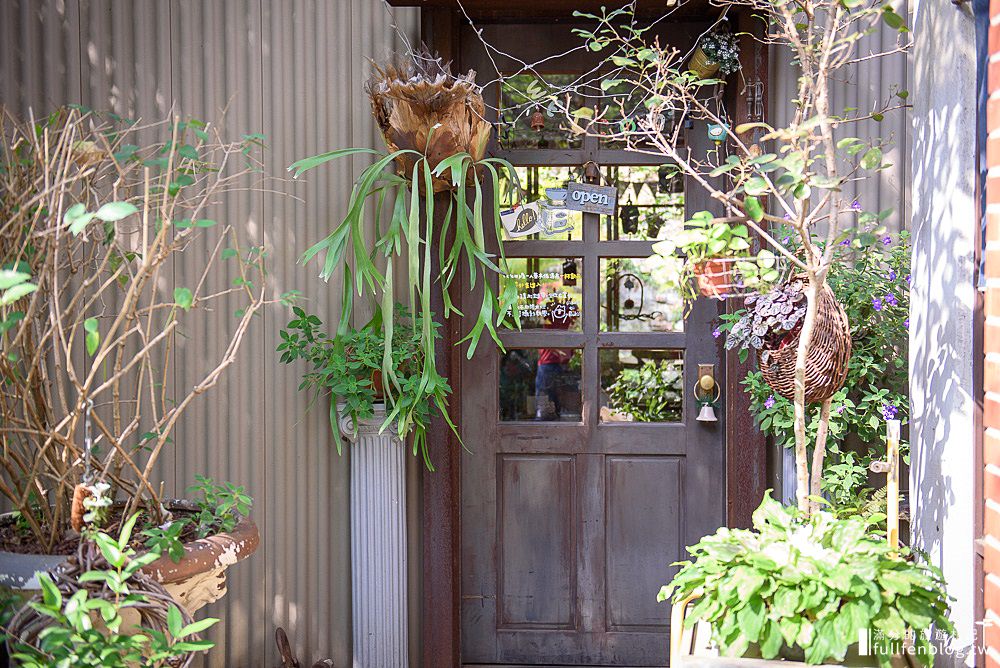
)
(591, 198)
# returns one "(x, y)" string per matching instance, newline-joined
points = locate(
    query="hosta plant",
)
(814, 583)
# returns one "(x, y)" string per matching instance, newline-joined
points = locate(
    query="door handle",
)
(707, 392)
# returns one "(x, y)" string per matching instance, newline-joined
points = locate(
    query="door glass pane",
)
(525, 124)
(650, 203)
(541, 384)
(637, 295)
(550, 292)
(641, 385)
(546, 186)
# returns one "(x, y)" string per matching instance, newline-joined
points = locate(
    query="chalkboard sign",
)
(591, 198)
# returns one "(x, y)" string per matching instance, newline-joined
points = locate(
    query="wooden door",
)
(587, 472)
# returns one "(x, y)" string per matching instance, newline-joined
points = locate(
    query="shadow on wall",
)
(942, 302)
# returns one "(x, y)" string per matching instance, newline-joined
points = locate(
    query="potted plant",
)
(771, 324)
(714, 252)
(431, 181)
(717, 51)
(808, 587)
(92, 219)
(101, 609)
(343, 369)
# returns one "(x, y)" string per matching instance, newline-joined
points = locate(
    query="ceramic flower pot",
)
(702, 65)
(198, 579)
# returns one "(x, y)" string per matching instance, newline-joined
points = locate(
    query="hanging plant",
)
(434, 128)
(717, 52)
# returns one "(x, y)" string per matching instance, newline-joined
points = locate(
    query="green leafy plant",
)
(705, 239)
(431, 187)
(80, 622)
(767, 319)
(813, 583)
(651, 393)
(167, 539)
(221, 505)
(343, 369)
(90, 195)
(871, 281)
(720, 47)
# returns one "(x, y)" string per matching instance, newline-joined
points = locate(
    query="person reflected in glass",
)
(552, 376)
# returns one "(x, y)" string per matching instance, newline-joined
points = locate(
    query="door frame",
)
(746, 448)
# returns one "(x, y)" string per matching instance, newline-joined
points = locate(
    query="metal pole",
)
(892, 483)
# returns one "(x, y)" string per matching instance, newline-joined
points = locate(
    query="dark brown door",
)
(587, 472)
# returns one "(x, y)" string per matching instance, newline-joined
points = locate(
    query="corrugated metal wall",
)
(292, 70)
(862, 86)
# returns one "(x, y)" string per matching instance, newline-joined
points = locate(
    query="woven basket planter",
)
(826, 361)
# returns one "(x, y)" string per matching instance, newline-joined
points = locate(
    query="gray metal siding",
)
(862, 86)
(292, 70)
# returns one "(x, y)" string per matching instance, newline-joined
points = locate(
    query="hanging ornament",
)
(629, 217)
(653, 224)
(538, 121)
(717, 132)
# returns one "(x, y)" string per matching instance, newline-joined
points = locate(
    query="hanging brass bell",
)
(537, 121)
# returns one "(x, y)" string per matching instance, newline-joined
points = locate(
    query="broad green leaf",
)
(115, 211)
(872, 158)
(92, 339)
(183, 298)
(752, 207)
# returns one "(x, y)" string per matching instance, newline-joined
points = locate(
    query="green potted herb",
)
(716, 256)
(347, 368)
(809, 587)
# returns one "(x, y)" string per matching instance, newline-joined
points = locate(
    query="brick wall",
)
(991, 347)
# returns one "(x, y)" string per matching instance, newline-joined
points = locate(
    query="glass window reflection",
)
(541, 384)
(641, 385)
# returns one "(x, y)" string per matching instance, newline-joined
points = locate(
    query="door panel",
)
(580, 489)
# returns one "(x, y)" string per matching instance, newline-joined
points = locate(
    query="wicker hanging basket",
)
(826, 361)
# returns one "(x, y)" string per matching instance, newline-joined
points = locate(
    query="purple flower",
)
(907, 279)
(892, 274)
(788, 216)
(886, 240)
(786, 240)
(716, 332)
(891, 300)
(845, 242)
(877, 303)
(906, 323)
(769, 402)
(889, 411)
(840, 410)
(855, 205)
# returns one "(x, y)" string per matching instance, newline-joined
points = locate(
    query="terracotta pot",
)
(197, 580)
(377, 384)
(701, 65)
(715, 278)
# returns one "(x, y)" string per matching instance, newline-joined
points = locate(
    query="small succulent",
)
(769, 317)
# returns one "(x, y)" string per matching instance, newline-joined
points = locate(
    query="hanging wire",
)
(88, 442)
